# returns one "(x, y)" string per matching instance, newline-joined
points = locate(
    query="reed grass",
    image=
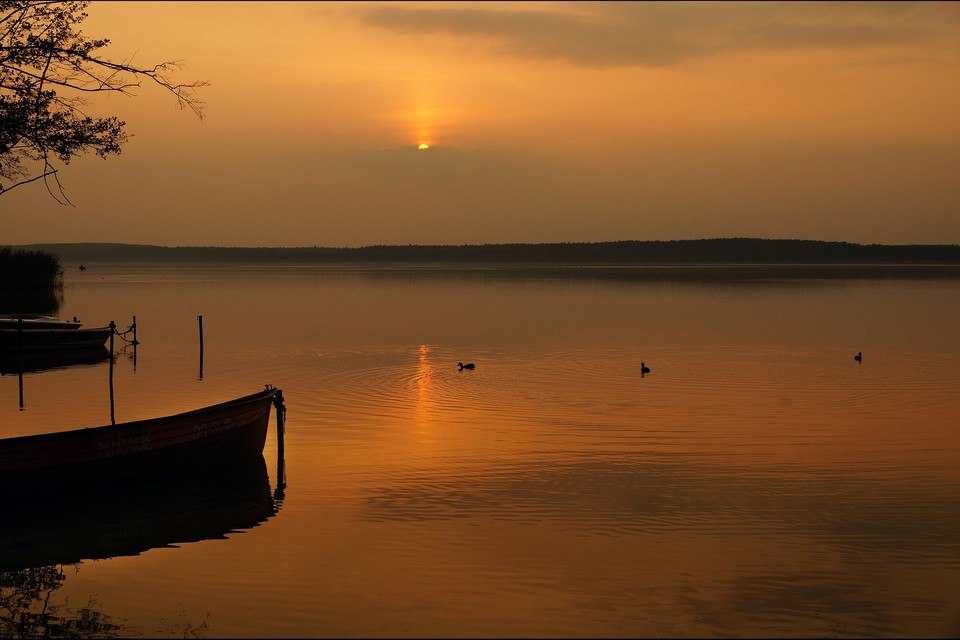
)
(25, 269)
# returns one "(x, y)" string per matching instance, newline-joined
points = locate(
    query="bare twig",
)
(42, 176)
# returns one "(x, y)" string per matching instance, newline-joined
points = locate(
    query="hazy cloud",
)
(617, 34)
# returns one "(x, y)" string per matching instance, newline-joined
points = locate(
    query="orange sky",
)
(546, 123)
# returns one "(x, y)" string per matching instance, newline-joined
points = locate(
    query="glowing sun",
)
(423, 146)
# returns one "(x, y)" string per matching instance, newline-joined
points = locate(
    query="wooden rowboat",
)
(12, 340)
(221, 434)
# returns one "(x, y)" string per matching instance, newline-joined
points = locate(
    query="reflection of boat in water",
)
(128, 519)
(38, 537)
(219, 435)
(13, 340)
(38, 361)
(36, 321)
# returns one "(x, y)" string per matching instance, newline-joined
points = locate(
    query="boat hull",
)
(219, 435)
(12, 340)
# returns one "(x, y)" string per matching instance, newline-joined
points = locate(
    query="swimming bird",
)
(859, 356)
(469, 365)
(644, 369)
(83, 267)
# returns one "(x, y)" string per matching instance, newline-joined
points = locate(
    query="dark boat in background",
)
(14, 340)
(220, 435)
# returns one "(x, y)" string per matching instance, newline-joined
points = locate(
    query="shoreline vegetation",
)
(723, 251)
(22, 268)
(31, 281)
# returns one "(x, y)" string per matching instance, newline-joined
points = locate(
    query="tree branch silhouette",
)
(47, 65)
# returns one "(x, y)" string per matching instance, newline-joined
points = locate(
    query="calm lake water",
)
(757, 482)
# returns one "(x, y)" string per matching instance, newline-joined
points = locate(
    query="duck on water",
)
(461, 366)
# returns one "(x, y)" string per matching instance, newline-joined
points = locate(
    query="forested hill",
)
(726, 250)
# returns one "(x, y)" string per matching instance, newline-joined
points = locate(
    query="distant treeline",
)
(725, 250)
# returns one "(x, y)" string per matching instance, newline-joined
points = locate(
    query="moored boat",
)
(14, 339)
(220, 434)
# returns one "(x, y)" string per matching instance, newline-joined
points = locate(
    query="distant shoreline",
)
(725, 252)
(539, 272)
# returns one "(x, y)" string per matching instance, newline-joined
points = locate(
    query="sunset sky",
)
(546, 122)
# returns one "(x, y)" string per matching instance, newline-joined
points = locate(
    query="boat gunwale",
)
(13, 317)
(260, 395)
(77, 330)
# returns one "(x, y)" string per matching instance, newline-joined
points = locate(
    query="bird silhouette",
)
(469, 365)
(859, 356)
(644, 369)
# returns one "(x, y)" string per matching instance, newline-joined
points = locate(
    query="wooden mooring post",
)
(281, 408)
(135, 343)
(20, 361)
(113, 330)
(281, 455)
(200, 331)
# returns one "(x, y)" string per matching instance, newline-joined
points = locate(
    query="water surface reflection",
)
(43, 542)
(758, 482)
